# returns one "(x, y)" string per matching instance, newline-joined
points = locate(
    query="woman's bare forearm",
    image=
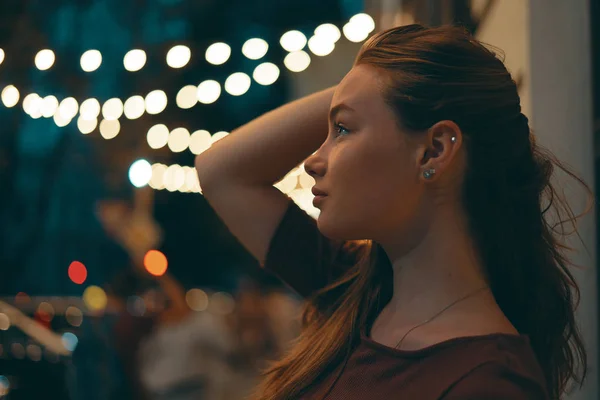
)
(262, 151)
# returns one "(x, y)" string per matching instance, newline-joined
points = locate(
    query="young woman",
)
(433, 271)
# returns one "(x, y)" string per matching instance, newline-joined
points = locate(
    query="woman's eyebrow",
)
(337, 108)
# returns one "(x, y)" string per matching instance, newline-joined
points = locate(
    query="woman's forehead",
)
(360, 89)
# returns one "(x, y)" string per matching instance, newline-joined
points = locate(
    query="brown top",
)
(496, 366)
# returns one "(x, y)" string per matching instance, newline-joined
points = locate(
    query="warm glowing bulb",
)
(218, 53)
(91, 60)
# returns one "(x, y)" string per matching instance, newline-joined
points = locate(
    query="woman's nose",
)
(315, 165)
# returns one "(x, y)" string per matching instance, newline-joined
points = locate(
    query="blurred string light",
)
(208, 91)
(140, 173)
(44, 59)
(237, 84)
(69, 341)
(179, 140)
(109, 129)
(4, 385)
(158, 136)
(112, 109)
(156, 102)
(155, 262)
(134, 107)
(49, 106)
(10, 96)
(95, 298)
(178, 56)
(86, 126)
(77, 272)
(34, 352)
(89, 109)
(266, 73)
(359, 27)
(90, 60)
(74, 316)
(196, 299)
(221, 303)
(255, 48)
(356, 30)
(293, 41)
(187, 97)
(68, 108)
(174, 178)
(297, 61)
(1, 56)
(218, 53)
(134, 60)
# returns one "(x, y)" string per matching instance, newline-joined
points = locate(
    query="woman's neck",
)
(441, 268)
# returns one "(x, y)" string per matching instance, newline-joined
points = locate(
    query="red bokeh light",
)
(77, 272)
(155, 262)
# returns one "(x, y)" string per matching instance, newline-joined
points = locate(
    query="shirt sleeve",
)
(494, 381)
(303, 258)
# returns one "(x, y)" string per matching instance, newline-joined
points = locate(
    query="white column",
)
(561, 101)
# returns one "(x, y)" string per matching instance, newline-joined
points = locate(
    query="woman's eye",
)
(340, 130)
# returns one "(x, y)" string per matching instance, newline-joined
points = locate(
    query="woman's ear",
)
(442, 142)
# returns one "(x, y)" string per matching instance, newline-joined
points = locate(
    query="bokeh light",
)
(155, 262)
(68, 108)
(218, 53)
(77, 272)
(158, 136)
(95, 298)
(140, 173)
(208, 91)
(293, 41)
(86, 126)
(31, 103)
(266, 73)
(186, 97)
(255, 48)
(49, 106)
(22, 299)
(91, 60)
(10, 96)
(134, 60)
(157, 180)
(60, 121)
(364, 22)
(297, 61)
(319, 46)
(179, 140)
(221, 303)
(34, 352)
(328, 32)
(218, 136)
(134, 107)
(45, 311)
(44, 59)
(4, 385)
(69, 341)
(109, 129)
(1, 56)
(112, 109)
(89, 109)
(196, 299)
(200, 141)
(355, 32)
(178, 56)
(156, 102)
(74, 316)
(237, 84)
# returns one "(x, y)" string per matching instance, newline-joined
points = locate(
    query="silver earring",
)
(428, 173)
(453, 139)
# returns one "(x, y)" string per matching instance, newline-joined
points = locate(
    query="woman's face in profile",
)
(368, 167)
